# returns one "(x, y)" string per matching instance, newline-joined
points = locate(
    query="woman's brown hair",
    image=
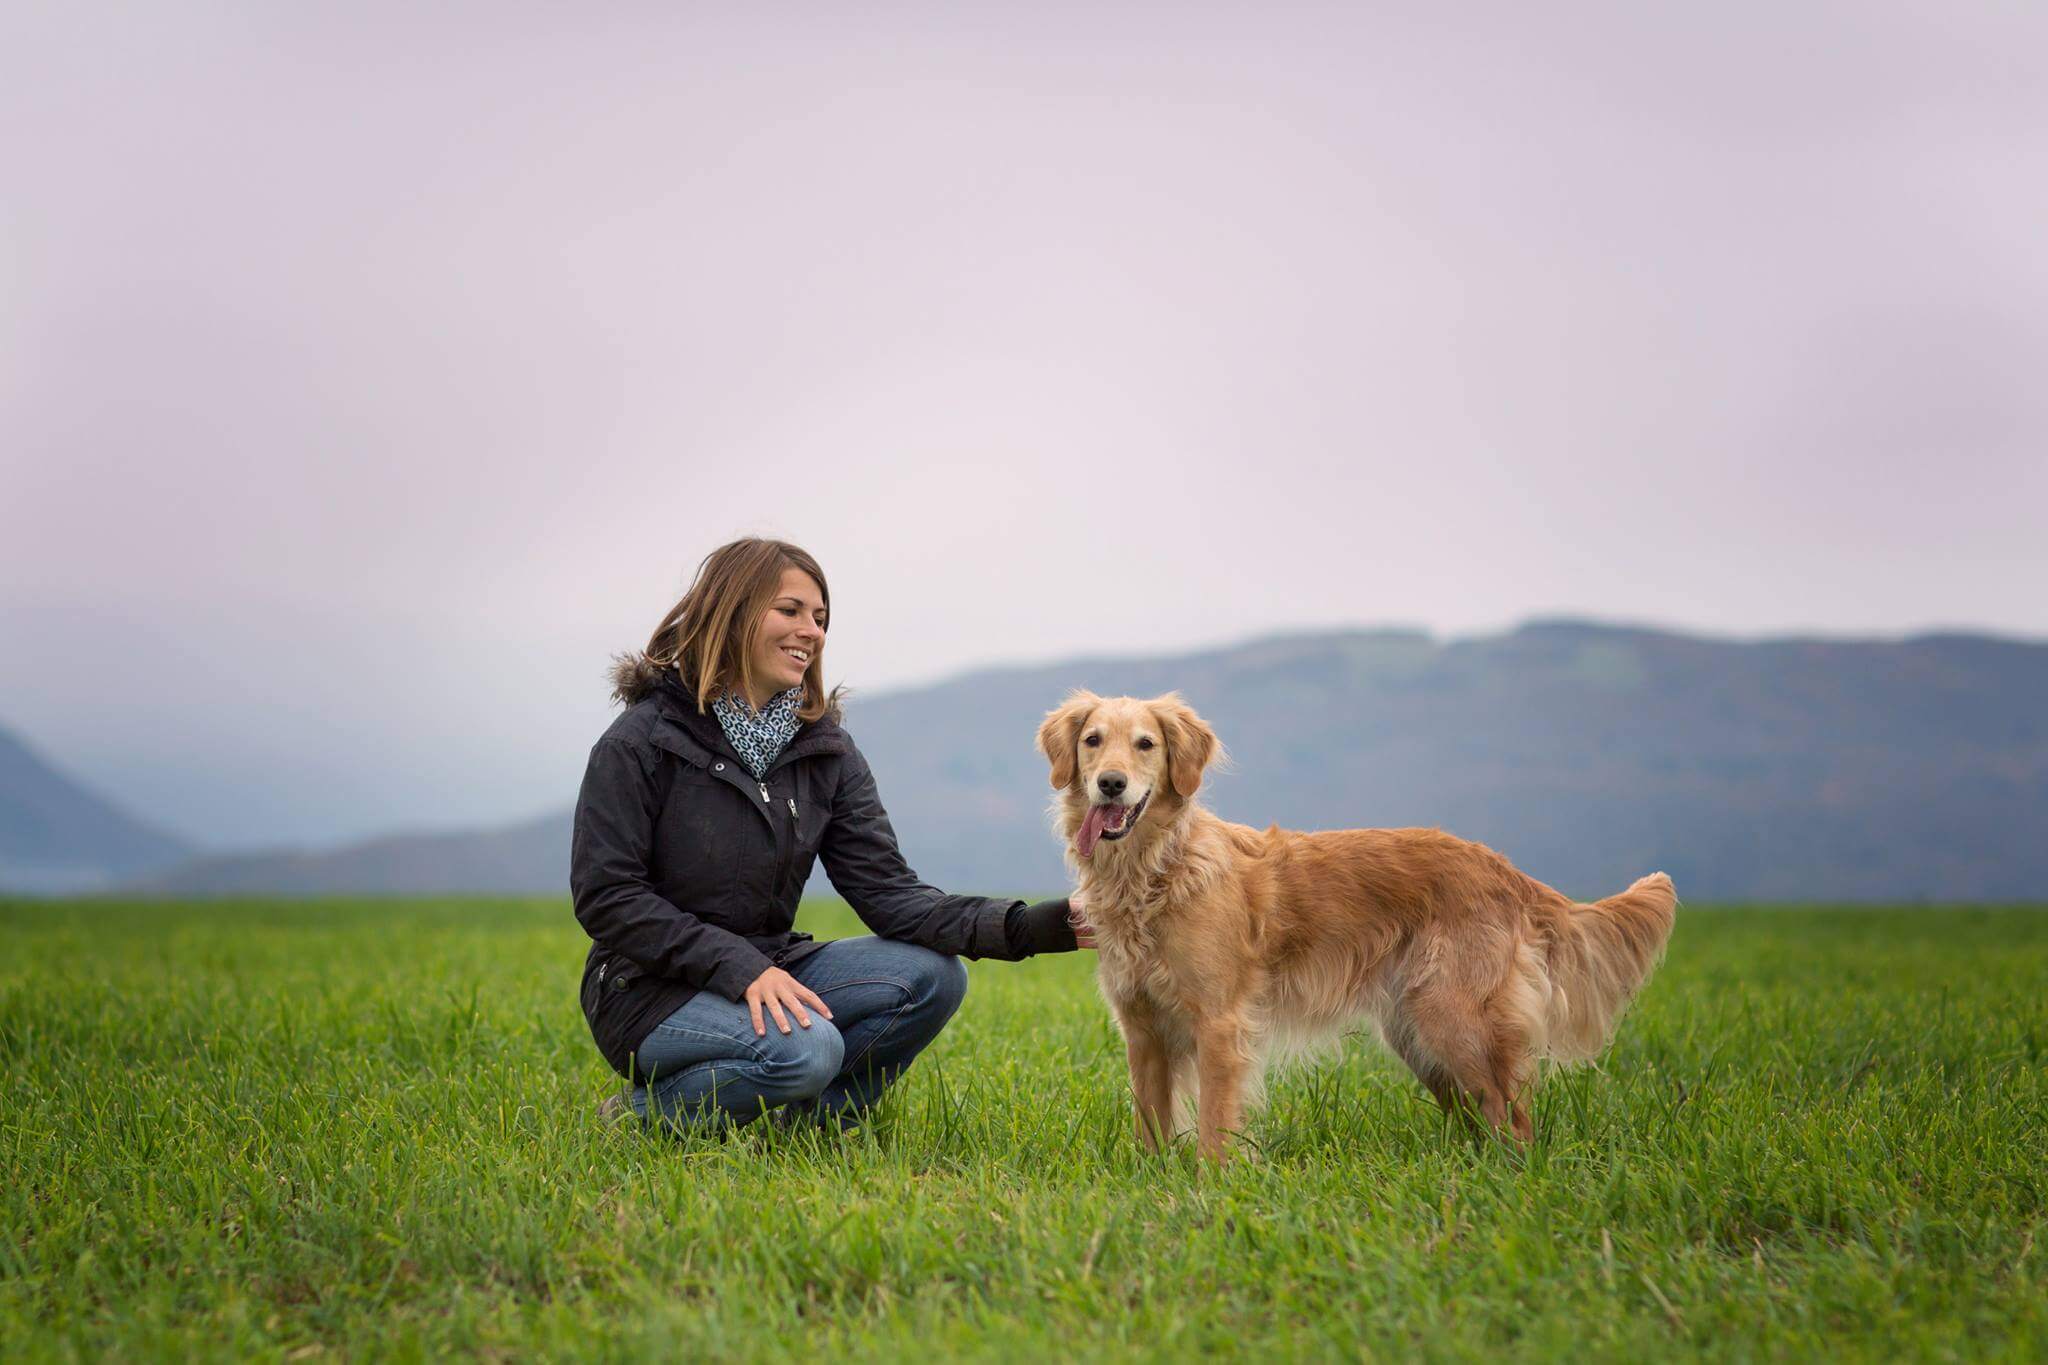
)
(708, 635)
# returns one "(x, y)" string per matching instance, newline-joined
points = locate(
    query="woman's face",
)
(789, 635)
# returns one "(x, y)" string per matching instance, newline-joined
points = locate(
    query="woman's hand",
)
(1077, 915)
(780, 991)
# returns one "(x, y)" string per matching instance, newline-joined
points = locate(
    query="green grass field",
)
(364, 1129)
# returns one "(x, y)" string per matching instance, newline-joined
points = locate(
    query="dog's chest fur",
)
(1134, 900)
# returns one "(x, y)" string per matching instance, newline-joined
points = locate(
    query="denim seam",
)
(668, 1081)
(900, 985)
(747, 1043)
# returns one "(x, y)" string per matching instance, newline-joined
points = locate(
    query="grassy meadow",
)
(363, 1129)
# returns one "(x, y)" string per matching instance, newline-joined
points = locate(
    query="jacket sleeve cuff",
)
(1040, 928)
(737, 970)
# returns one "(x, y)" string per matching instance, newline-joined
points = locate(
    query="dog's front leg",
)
(1222, 1061)
(1151, 1073)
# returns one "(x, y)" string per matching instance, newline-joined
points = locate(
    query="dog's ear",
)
(1061, 732)
(1191, 746)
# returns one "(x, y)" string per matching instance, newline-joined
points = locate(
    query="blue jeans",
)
(706, 1068)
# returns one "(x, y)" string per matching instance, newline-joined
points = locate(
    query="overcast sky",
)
(368, 373)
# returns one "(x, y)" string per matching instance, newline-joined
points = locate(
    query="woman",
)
(702, 811)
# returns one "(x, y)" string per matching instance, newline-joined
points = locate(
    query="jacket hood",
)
(635, 676)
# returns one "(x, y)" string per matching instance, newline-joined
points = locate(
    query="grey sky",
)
(368, 373)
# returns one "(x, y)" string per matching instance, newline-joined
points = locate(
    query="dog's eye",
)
(1093, 741)
(1145, 743)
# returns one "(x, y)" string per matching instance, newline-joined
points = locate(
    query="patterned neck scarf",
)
(758, 736)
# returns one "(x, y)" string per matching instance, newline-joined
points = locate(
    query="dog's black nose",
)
(1111, 785)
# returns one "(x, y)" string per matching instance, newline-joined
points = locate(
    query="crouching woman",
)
(704, 808)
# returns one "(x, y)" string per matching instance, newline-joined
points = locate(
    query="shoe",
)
(615, 1112)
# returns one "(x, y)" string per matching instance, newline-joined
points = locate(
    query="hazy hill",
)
(533, 856)
(58, 837)
(1794, 769)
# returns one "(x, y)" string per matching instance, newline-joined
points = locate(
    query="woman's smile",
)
(790, 635)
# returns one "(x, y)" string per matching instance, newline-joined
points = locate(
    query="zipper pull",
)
(792, 808)
(764, 792)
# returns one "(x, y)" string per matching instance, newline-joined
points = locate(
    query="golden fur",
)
(1218, 942)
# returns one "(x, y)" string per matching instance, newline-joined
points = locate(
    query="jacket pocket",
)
(614, 976)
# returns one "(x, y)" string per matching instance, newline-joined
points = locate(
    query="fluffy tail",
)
(1600, 955)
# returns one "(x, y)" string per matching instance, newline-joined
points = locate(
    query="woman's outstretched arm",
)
(866, 866)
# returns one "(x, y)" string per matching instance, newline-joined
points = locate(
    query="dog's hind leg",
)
(1518, 1012)
(1514, 1073)
(1187, 1087)
(1401, 1041)
(1452, 1033)
(1473, 1011)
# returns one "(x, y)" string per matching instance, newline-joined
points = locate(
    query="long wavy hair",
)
(708, 635)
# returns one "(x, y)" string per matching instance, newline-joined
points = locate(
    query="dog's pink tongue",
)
(1091, 829)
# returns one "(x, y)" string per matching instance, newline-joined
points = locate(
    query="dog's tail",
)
(1600, 955)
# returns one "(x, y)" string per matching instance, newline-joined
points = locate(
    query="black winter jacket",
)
(686, 870)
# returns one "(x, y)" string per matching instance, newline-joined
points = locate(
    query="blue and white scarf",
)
(758, 736)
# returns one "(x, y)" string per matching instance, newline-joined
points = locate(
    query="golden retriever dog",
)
(1219, 943)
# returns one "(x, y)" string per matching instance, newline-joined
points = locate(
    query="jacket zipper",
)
(782, 851)
(789, 866)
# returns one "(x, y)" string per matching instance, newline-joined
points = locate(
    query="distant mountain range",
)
(532, 857)
(1796, 769)
(56, 837)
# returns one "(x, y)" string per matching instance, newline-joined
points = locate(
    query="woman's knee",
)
(936, 982)
(948, 982)
(800, 1064)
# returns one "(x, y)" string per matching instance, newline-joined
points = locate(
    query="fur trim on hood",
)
(634, 676)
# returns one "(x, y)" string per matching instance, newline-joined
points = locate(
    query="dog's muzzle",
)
(1110, 820)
